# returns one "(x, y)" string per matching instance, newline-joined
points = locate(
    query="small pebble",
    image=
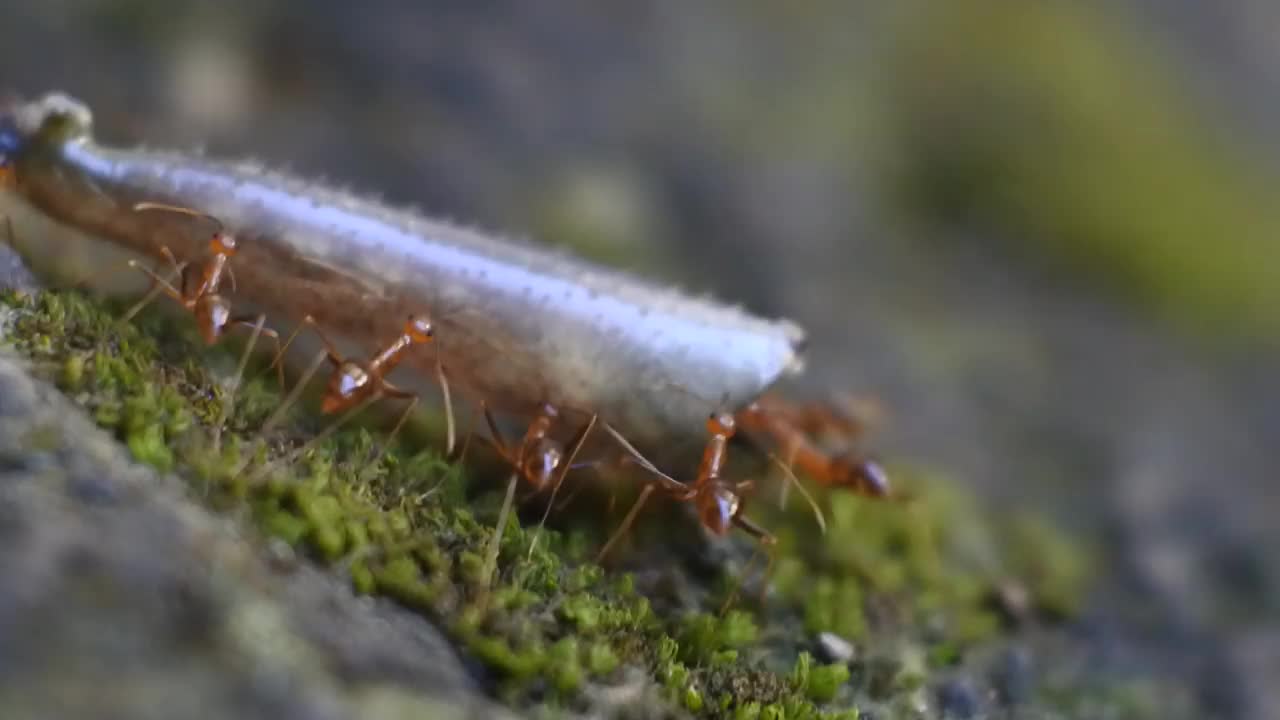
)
(834, 649)
(281, 555)
(1014, 600)
(958, 699)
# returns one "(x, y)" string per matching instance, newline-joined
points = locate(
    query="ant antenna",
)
(143, 206)
(791, 479)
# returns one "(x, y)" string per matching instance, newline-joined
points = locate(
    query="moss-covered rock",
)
(902, 580)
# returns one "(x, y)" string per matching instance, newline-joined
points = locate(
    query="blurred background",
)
(1042, 234)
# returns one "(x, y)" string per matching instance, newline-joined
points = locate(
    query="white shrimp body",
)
(517, 324)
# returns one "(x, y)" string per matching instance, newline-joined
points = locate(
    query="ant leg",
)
(158, 285)
(446, 398)
(466, 443)
(667, 482)
(763, 540)
(256, 326)
(279, 358)
(329, 353)
(496, 435)
(293, 395)
(791, 479)
(394, 392)
(785, 490)
(178, 268)
(334, 356)
(235, 382)
(626, 523)
(862, 476)
(333, 427)
(567, 500)
(97, 273)
(495, 542)
(576, 443)
(597, 465)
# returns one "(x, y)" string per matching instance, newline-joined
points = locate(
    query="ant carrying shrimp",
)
(790, 427)
(538, 458)
(537, 329)
(204, 299)
(719, 502)
(355, 385)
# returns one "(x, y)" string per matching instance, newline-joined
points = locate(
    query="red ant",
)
(354, 385)
(790, 427)
(211, 309)
(203, 299)
(719, 502)
(537, 459)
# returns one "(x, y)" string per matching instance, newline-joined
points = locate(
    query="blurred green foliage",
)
(1069, 132)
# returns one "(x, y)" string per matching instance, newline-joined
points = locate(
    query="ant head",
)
(346, 386)
(223, 244)
(717, 508)
(866, 477)
(721, 423)
(419, 329)
(542, 465)
(213, 312)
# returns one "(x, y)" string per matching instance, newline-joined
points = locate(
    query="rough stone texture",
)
(122, 598)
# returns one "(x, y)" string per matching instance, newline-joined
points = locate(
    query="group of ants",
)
(538, 459)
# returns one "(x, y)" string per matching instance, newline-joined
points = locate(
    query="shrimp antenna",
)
(793, 480)
(142, 206)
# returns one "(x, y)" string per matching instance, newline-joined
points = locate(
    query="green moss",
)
(820, 683)
(601, 659)
(72, 373)
(415, 528)
(583, 611)
(1054, 571)
(566, 672)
